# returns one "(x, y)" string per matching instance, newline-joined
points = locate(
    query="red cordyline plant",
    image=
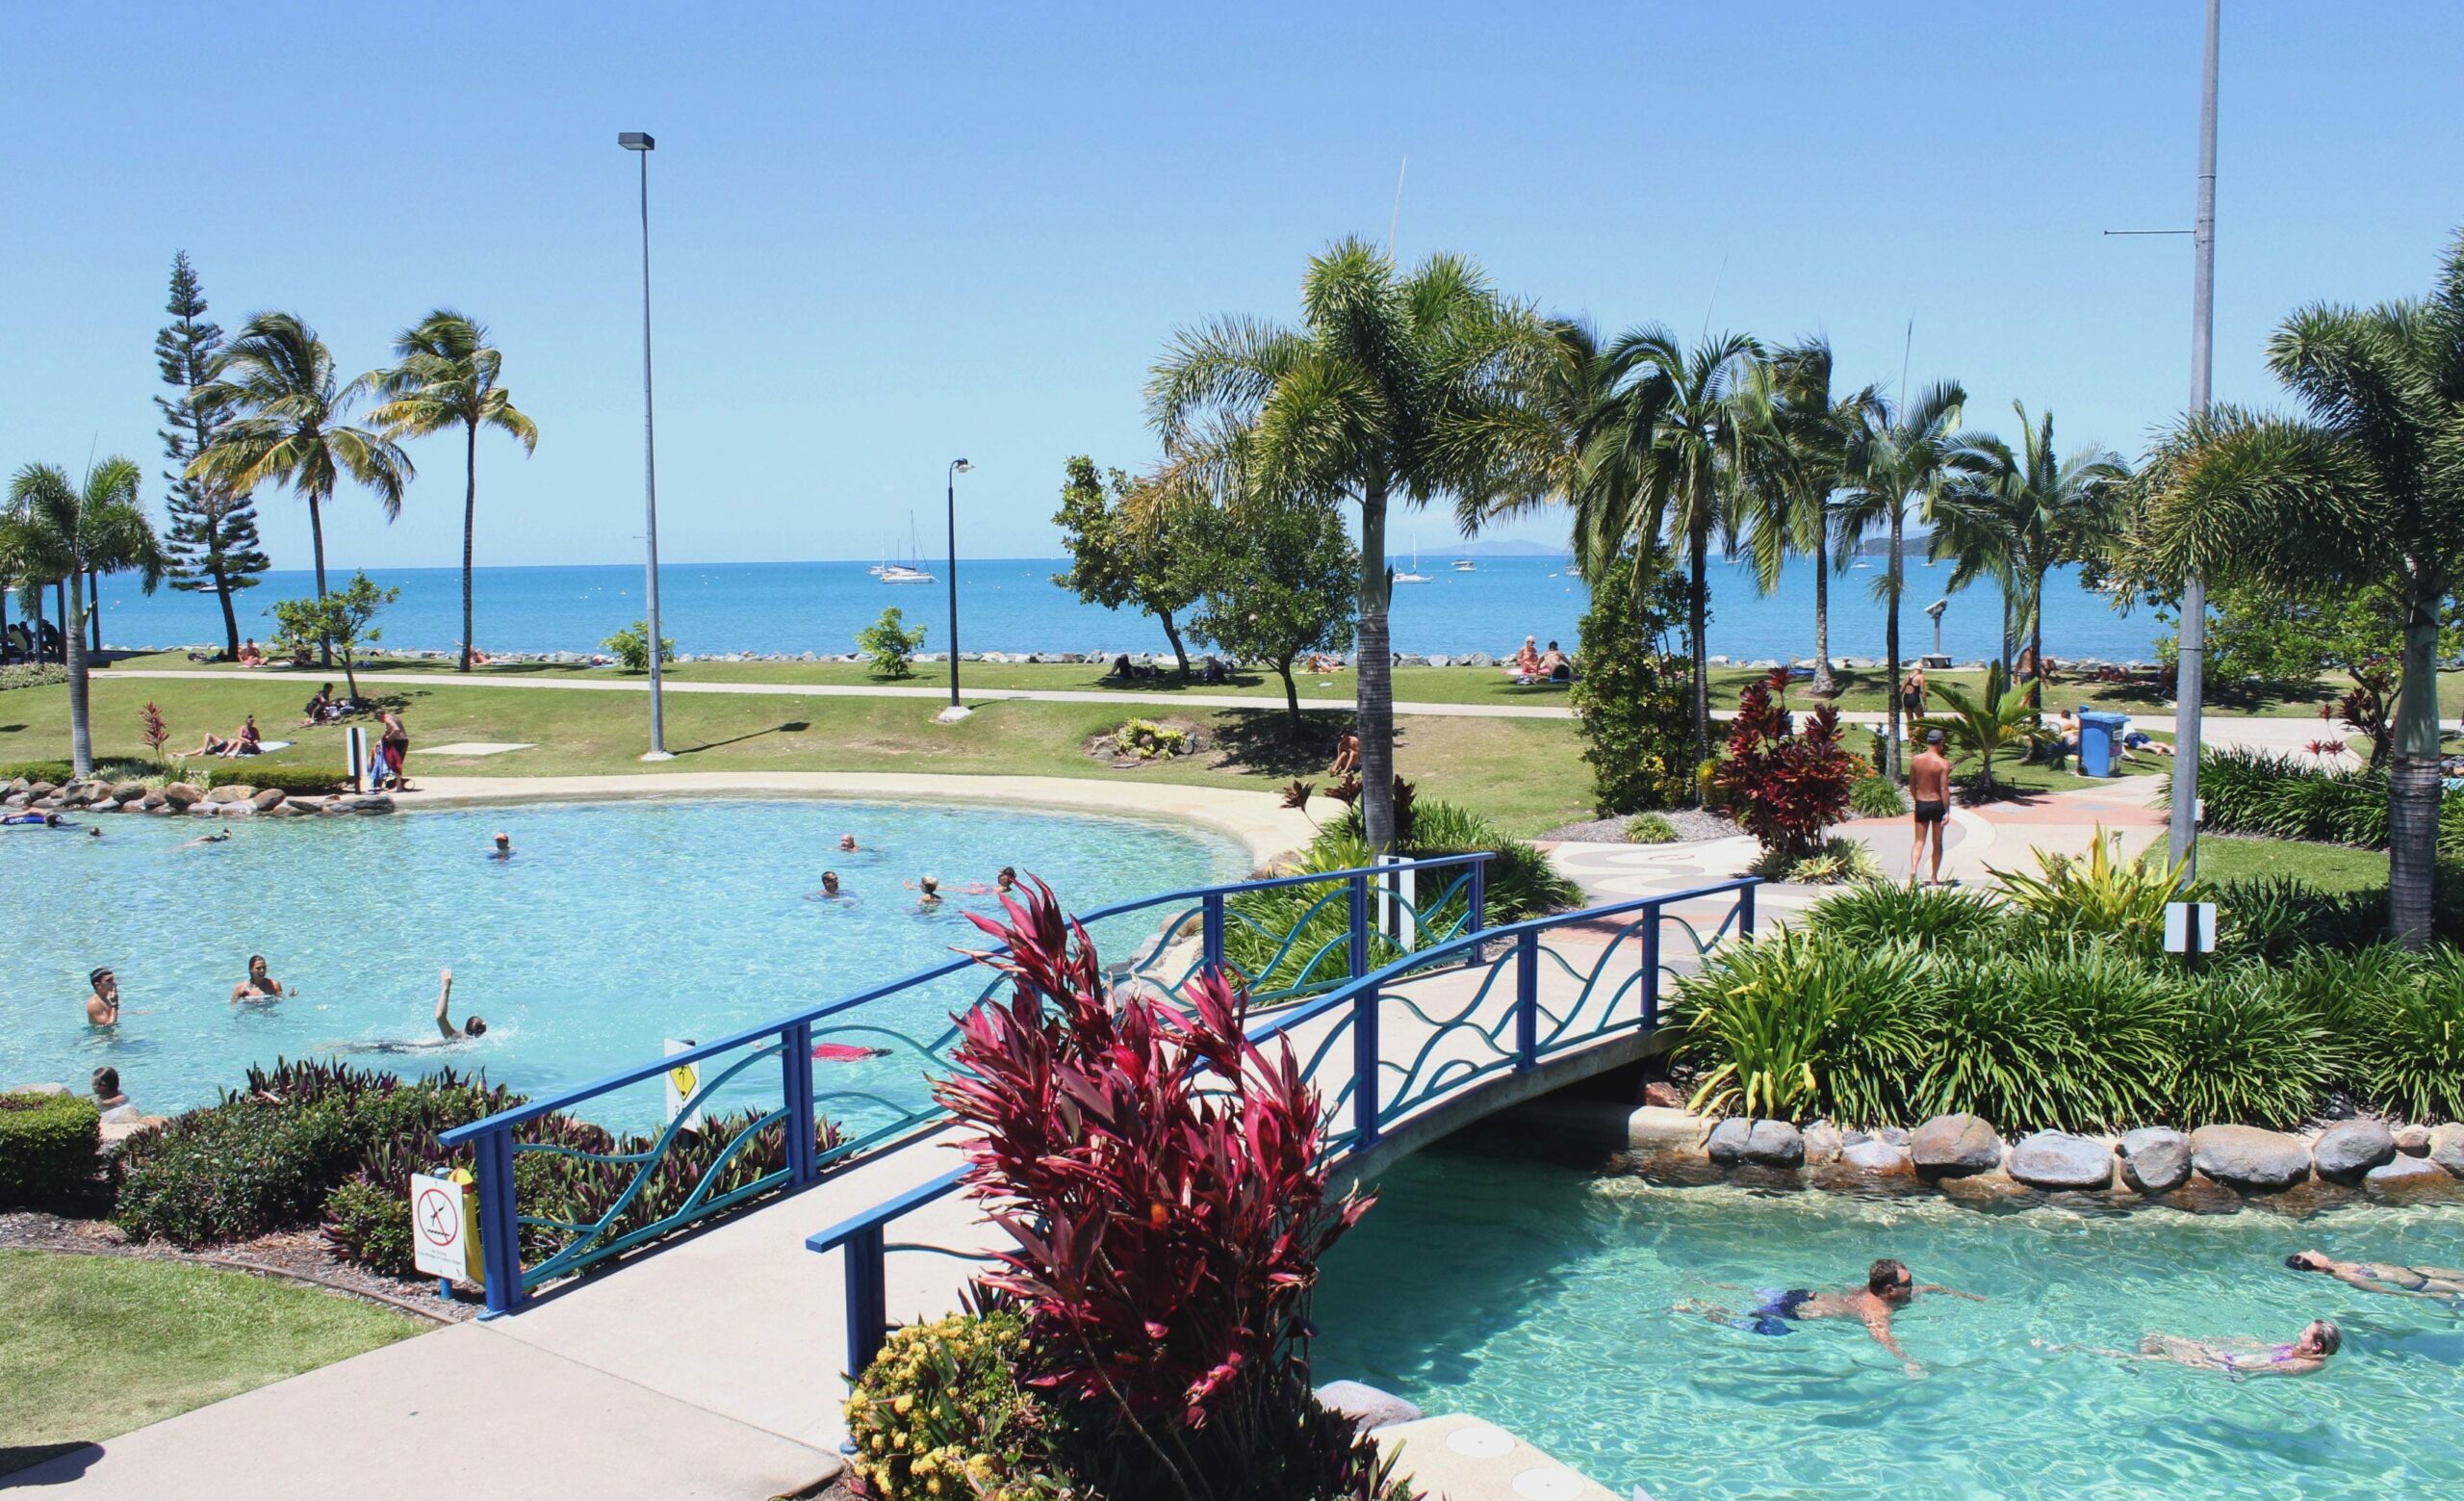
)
(1787, 787)
(1158, 1171)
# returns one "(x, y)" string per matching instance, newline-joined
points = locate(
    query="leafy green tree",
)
(890, 646)
(1125, 550)
(345, 621)
(1981, 727)
(212, 540)
(57, 529)
(1630, 698)
(447, 375)
(2365, 489)
(632, 647)
(1408, 387)
(1796, 458)
(1280, 581)
(1669, 460)
(1903, 456)
(286, 427)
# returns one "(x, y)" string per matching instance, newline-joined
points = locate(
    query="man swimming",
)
(259, 986)
(1889, 1288)
(2235, 1356)
(2416, 1281)
(207, 839)
(830, 888)
(447, 1034)
(847, 842)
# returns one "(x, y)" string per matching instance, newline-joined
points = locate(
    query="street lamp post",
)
(2189, 676)
(642, 144)
(957, 467)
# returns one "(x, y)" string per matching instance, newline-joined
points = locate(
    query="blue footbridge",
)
(803, 1194)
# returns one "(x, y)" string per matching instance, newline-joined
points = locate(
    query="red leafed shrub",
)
(1787, 787)
(1159, 1174)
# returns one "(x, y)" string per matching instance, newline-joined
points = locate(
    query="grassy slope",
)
(99, 1345)
(1527, 775)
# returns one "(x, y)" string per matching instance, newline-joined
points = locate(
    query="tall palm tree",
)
(2038, 510)
(2365, 490)
(1902, 455)
(58, 529)
(1797, 459)
(278, 380)
(1668, 458)
(1407, 387)
(446, 374)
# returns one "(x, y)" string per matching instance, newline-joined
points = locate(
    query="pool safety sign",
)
(682, 1079)
(445, 1226)
(2190, 927)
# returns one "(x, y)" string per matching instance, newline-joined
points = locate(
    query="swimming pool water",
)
(614, 926)
(1539, 1297)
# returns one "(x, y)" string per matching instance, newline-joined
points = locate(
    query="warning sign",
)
(683, 1079)
(444, 1240)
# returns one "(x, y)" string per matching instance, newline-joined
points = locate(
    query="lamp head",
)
(636, 140)
(962, 466)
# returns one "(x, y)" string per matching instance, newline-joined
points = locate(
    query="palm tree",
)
(2365, 490)
(57, 529)
(1983, 727)
(1901, 454)
(1668, 457)
(446, 376)
(1798, 460)
(1394, 386)
(278, 379)
(2021, 515)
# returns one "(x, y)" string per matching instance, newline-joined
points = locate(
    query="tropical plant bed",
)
(1143, 743)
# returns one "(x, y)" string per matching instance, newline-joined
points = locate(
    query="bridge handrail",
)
(493, 1146)
(863, 1236)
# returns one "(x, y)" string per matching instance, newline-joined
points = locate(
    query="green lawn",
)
(2329, 867)
(1527, 775)
(99, 1345)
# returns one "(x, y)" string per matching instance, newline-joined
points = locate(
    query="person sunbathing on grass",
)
(2387, 1276)
(2236, 1356)
(1889, 1288)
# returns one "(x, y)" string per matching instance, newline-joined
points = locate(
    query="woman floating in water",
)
(2234, 1354)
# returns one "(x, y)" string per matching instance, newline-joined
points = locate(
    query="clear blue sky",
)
(884, 236)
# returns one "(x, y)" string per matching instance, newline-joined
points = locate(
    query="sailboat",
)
(1413, 574)
(909, 572)
(1463, 565)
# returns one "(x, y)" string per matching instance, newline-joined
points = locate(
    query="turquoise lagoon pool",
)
(1538, 1297)
(614, 926)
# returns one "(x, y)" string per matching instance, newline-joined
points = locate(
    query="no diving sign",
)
(443, 1242)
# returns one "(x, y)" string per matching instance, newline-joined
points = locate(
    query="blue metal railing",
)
(1457, 1049)
(563, 1246)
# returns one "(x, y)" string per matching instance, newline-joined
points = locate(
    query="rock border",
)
(232, 801)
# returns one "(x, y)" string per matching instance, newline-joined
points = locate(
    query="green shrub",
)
(1148, 741)
(2075, 1038)
(2241, 1052)
(1836, 859)
(1650, 828)
(888, 645)
(1630, 702)
(32, 675)
(294, 781)
(58, 773)
(2102, 896)
(1876, 798)
(940, 1413)
(1952, 920)
(2254, 792)
(369, 1224)
(47, 1147)
(2398, 1020)
(1796, 1023)
(231, 1172)
(632, 647)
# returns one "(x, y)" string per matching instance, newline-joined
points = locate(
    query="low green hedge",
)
(231, 1172)
(47, 1146)
(58, 773)
(32, 675)
(296, 781)
(2254, 791)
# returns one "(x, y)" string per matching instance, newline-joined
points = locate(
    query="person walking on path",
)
(1929, 788)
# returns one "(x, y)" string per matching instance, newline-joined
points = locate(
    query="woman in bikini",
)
(2417, 1282)
(2234, 1356)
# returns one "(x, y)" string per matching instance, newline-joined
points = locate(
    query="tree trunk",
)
(1891, 649)
(316, 539)
(1173, 634)
(81, 729)
(2009, 624)
(1375, 690)
(469, 524)
(2413, 783)
(3, 621)
(2035, 640)
(1698, 611)
(94, 611)
(60, 608)
(1823, 684)
(351, 678)
(230, 618)
(1291, 693)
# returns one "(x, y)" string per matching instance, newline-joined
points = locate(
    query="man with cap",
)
(1929, 786)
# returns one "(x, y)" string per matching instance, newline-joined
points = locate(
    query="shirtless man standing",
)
(1889, 1288)
(102, 1007)
(1929, 786)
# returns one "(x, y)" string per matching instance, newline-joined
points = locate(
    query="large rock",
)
(1366, 1406)
(1662, 1093)
(1658, 1129)
(122, 791)
(153, 800)
(361, 802)
(269, 799)
(179, 794)
(1875, 1156)
(2056, 1159)
(1823, 1144)
(2447, 1147)
(2413, 1141)
(236, 793)
(2346, 1150)
(1954, 1146)
(2404, 1170)
(42, 789)
(1728, 1141)
(2155, 1159)
(2250, 1159)
(1774, 1144)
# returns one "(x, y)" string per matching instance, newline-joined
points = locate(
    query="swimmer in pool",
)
(1004, 882)
(2416, 1281)
(847, 842)
(2235, 1356)
(446, 1035)
(102, 1007)
(207, 839)
(503, 847)
(929, 890)
(1889, 1288)
(830, 888)
(259, 986)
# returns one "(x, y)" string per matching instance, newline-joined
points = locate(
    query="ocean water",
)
(614, 927)
(1542, 1299)
(1012, 604)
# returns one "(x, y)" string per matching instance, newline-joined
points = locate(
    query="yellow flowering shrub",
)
(939, 1416)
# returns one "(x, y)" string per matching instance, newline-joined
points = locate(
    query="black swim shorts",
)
(1930, 811)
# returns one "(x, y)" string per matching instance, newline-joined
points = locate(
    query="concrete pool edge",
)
(1257, 820)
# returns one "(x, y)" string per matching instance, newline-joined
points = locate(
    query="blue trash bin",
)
(2101, 742)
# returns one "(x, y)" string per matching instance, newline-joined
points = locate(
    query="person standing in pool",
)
(503, 847)
(2417, 1282)
(830, 888)
(2235, 1356)
(102, 1007)
(847, 842)
(1929, 788)
(259, 986)
(397, 741)
(1889, 1288)
(929, 893)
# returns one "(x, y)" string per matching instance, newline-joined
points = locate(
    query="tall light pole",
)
(2189, 690)
(957, 467)
(640, 143)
